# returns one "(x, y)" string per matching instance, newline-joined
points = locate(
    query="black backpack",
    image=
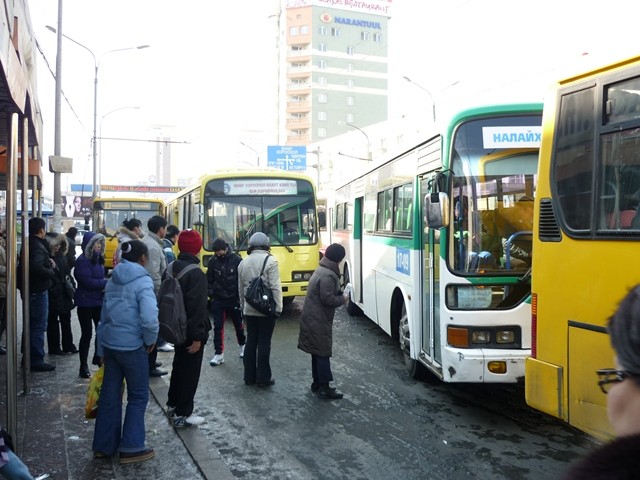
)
(172, 315)
(259, 295)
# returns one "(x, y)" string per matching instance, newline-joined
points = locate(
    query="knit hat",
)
(259, 239)
(189, 241)
(335, 252)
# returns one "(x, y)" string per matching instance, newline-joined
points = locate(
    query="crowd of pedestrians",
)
(123, 310)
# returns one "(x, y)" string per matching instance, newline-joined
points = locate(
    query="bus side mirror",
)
(436, 210)
(197, 214)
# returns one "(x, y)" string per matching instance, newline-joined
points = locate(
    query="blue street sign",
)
(284, 157)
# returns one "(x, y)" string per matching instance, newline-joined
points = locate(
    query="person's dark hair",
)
(155, 223)
(172, 231)
(35, 224)
(131, 223)
(133, 250)
(218, 244)
(72, 232)
(624, 330)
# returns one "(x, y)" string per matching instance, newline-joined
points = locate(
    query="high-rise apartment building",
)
(336, 67)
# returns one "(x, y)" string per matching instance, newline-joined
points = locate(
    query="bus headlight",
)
(505, 336)
(301, 276)
(480, 336)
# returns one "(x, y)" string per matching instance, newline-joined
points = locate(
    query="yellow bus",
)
(109, 213)
(586, 233)
(234, 204)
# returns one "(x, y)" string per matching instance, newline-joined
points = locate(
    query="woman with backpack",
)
(257, 369)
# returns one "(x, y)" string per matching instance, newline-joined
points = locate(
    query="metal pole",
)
(95, 191)
(57, 195)
(12, 310)
(25, 223)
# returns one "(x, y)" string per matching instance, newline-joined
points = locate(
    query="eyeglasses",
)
(607, 376)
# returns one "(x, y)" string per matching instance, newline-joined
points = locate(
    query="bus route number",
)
(402, 261)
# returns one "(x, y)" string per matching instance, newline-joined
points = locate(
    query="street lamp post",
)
(255, 151)
(433, 102)
(96, 65)
(362, 132)
(100, 137)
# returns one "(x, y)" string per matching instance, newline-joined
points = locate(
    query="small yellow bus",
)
(109, 213)
(234, 204)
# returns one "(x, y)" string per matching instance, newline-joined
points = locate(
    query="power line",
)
(54, 77)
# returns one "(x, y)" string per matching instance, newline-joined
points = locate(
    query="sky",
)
(207, 79)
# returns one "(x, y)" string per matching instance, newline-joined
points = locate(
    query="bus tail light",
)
(458, 337)
(497, 367)
(534, 324)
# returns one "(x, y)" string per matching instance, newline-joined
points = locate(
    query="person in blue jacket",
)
(90, 277)
(126, 334)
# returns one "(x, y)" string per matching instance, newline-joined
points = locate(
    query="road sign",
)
(287, 157)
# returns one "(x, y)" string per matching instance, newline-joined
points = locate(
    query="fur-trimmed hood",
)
(125, 235)
(59, 240)
(89, 241)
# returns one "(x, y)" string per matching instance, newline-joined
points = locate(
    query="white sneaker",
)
(195, 420)
(241, 351)
(191, 420)
(167, 347)
(217, 359)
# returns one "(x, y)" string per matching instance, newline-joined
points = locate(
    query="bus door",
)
(430, 240)
(358, 213)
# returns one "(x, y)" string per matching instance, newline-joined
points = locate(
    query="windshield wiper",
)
(281, 242)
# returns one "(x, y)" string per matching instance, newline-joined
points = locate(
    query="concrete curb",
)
(207, 458)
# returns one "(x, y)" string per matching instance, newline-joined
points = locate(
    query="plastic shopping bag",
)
(93, 394)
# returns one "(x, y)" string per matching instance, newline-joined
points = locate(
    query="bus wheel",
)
(415, 368)
(286, 301)
(352, 309)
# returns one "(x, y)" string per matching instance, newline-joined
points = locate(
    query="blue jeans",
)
(15, 469)
(110, 435)
(38, 318)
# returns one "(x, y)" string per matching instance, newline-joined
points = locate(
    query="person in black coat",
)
(60, 299)
(619, 459)
(40, 278)
(187, 358)
(222, 281)
(71, 247)
(324, 295)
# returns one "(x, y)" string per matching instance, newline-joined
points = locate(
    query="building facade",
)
(335, 57)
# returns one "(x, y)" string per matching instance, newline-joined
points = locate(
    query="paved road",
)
(388, 426)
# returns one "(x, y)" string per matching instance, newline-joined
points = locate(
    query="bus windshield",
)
(109, 214)
(236, 209)
(494, 166)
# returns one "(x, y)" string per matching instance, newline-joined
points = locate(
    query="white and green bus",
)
(438, 243)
